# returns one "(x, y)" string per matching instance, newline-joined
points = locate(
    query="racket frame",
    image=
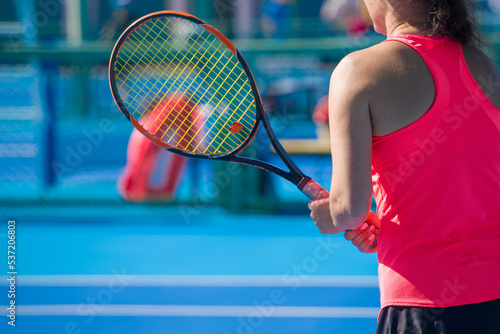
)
(294, 175)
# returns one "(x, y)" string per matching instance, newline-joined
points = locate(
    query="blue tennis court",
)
(221, 273)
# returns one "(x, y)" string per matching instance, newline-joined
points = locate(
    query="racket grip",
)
(313, 189)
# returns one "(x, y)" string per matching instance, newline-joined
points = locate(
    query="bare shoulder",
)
(368, 61)
(395, 81)
(385, 63)
(355, 76)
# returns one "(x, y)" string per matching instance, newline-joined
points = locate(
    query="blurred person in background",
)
(25, 11)
(494, 6)
(415, 121)
(275, 18)
(350, 16)
(120, 14)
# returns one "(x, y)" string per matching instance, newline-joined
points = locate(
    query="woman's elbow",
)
(351, 217)
(350, 208)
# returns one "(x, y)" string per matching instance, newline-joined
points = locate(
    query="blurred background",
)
(228, 249)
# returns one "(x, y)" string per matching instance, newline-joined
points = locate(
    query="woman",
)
(415, 121)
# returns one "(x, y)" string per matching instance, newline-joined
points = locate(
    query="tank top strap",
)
(441, 57)
(441, 54)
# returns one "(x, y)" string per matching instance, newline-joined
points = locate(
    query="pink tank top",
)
(437, 187)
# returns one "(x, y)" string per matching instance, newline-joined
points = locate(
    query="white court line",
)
(198, 280)
(198, 311)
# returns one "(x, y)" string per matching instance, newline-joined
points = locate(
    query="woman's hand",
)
(320, 213)
(364, 236)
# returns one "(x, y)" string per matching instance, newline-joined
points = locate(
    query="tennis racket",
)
(186, 87)
(168, 61)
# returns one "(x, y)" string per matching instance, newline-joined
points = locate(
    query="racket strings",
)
(173, 121)
(144, 120)
(206, 64)
(222, 128)
(177, 66)
(195, 41)
(199, 86)
(193, 94)
(165, 58)
(227, 61)
(228, 133)
(140, 39)
(137, 47)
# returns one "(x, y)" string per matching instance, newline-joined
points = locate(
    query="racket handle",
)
(312, 189)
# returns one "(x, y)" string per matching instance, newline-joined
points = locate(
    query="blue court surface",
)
(218, 273)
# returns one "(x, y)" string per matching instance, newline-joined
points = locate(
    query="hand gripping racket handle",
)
(312, 189)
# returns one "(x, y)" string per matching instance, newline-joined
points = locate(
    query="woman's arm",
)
(351, 144)
(351, 140)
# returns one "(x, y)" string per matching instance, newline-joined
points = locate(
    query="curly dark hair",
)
(454, 19)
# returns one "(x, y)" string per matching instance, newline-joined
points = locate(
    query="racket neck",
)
(297, 175)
